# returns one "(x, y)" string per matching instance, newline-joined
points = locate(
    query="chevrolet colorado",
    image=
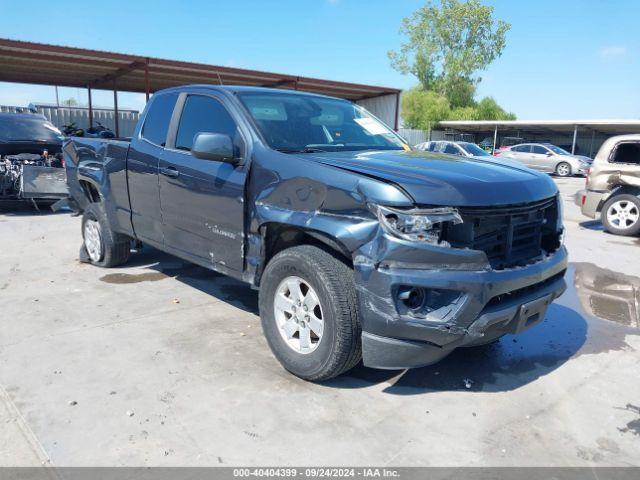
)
(360, 247)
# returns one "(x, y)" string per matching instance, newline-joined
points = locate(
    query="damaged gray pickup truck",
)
(360, 247)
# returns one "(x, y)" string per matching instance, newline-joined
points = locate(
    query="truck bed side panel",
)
(100, 165)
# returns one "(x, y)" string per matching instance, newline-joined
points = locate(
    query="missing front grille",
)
(509, 235)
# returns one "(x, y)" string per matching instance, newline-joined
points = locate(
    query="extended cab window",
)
(156, 123)
(203, 114)
(626, 153)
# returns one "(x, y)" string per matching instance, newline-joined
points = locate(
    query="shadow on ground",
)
(160, 266)
(595, 225)
(508, 364)
(505, 365)
(14, 208)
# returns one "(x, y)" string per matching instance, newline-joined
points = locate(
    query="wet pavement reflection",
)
(595, 315)
(608, 295)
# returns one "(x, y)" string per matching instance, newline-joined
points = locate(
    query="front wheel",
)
(309, 313)
(563, 169)
(621, 215)
(103, 246)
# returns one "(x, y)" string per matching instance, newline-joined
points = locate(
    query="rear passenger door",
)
(202, 200)
(521, 153)
(142, 168)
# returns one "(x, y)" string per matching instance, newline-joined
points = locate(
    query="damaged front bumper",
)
(460, 300)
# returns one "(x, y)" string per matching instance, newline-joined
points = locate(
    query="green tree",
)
(421, 108)
(488, 109)
(447, 44)
(69, 102)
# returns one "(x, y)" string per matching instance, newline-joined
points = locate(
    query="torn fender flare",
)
(67, 202)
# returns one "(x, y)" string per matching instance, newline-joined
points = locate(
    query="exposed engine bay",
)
(31, 175)
(31, 163)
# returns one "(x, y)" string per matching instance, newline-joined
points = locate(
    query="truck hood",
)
(438, 179)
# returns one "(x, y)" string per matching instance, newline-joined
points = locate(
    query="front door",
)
(541, 160)
(203, 200)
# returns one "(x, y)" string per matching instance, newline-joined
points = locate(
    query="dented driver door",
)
(201, 200)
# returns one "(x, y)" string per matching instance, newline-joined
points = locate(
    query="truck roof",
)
(240, 88)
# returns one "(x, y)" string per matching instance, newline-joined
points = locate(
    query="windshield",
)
(473, 149)
(557, 150)
(28, 128)
(301, 123)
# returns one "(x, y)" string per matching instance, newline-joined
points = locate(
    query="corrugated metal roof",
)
(605, 125)
(28, 62)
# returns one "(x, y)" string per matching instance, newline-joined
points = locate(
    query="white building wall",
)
(127, 119)
(383, 107)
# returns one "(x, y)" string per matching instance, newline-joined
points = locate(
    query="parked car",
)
(359, 246)
(30, 159)
(546, 157)
(613, 186)
(463, 149)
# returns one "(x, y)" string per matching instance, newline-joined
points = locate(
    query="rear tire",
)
(104, 247)
(563, 169)
(621, 215)
(331, 350)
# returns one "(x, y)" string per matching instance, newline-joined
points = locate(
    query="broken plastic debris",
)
(467, 382)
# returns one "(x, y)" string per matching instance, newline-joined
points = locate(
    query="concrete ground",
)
(162, 363)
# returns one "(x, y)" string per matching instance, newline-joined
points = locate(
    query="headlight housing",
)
(417, 224)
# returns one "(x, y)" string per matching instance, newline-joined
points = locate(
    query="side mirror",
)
(213, 146)
(549, 154)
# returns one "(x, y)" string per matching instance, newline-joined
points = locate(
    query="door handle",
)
(170, 172)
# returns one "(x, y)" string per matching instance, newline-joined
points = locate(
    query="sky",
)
(564, 59)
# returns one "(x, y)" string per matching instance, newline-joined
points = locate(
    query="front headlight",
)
(418, 225)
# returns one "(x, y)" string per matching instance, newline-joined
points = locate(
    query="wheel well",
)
(278, 237)
(620, 190)
(90, 191)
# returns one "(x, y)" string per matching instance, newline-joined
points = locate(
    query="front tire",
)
(563, 169)
(621, 215)
(104, 247)
(309, 313)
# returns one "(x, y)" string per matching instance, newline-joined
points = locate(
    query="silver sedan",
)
(549, 158)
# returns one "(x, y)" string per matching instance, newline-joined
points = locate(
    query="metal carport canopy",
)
(543, 126)
(37, 63)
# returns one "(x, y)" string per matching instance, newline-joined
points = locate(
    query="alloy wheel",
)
(564, 170)
(623, 214)
(298, 315)
(93, 239)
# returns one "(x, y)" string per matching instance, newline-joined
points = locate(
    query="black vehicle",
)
(31, 162)
(360, 247)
